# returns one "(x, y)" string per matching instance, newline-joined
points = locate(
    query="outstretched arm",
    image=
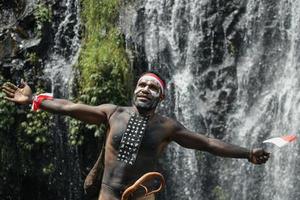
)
(86, 113)
(82, 112)
(192, 140)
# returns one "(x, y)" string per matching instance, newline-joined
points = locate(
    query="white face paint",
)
(149, 77)
(153, 86)
(147, 93)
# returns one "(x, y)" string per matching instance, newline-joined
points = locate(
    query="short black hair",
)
(157, 74)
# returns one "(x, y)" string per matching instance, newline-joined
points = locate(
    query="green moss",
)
(32, 58)
(104, 67)
(48, 169)
(36, 127)
(7, 110)
(231, 48)
(42, 13)
(22, 138)
(220, 194)
(105, 72)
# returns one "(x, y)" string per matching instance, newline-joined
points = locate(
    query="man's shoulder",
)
(116, 109)
(168, 121)
(107, 107)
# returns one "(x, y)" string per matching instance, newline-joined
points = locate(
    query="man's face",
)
(147, 94)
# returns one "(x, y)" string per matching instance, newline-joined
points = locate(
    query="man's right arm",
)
(89, 114)
(82, 112)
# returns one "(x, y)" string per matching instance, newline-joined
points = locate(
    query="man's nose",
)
(146, 89)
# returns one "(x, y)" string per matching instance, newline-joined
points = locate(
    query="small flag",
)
(281, 141)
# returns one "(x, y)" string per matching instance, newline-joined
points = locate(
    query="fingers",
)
(261, 159)
(9, 92)
(9, 89)
(10, 85)
(10, 99)
(259, 156)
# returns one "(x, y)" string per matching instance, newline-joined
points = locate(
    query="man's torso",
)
(118, 174)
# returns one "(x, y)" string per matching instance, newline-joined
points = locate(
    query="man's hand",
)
(20, 95)
(258, 156)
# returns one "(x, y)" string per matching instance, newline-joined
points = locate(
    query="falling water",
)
(268, 99)
(233, 68)
(66, 179)
(66, 47)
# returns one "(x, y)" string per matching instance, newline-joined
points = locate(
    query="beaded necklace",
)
(132, 138)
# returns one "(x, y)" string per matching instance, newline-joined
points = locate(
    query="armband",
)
(38, 99)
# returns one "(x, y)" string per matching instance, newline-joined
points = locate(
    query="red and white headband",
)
(154, 77)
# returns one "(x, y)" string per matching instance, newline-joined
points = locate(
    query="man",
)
(136, 135)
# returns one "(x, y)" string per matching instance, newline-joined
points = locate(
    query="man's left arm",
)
(217, 147)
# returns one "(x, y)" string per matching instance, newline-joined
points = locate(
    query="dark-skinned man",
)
(136, 135)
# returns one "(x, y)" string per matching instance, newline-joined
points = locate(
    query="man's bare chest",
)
(148, 137)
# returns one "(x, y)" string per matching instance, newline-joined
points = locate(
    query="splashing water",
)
(66, 179)
(237, 65)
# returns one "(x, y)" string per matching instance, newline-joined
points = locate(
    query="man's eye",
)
(154, 88)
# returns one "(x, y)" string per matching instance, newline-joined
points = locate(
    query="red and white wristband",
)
(38, 99)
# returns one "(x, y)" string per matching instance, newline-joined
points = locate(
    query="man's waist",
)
(118, 190)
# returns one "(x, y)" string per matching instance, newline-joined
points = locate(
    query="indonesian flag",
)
(281, 141)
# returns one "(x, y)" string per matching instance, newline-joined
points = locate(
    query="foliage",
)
(43, 13)
(36, 127)
(105, 76)
(22, 136)
(6, 110)
(32, 58)
(104, 68)
(231, 48)
(219, 193)
(48, 169)
(76, 131)
(75, 136)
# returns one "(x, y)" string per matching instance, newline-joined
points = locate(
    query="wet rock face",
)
(21, 36)
(15, 29)
(36, 35)
(10, 12)
(195, 46)
(236, 63)
(204, 36)
(11, 27)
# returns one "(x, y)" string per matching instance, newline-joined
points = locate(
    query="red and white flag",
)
(281, 141)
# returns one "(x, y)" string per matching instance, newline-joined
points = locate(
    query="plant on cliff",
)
(105, 73)
(22, 138)
(42, 15)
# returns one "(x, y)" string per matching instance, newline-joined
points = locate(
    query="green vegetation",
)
(32, 58)
(104, 76)
(219, 193)
(24, 135)
(37, 126)
(105, 73)
(42, 13)
(231, 48)
(6, 114)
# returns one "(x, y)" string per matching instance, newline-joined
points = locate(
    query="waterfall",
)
(232, 69)
(268, 99)
(66, 180)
